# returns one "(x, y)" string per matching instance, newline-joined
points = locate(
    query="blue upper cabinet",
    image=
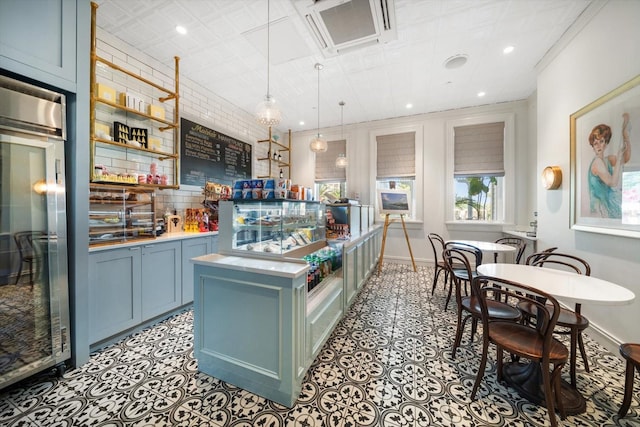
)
(38, 40)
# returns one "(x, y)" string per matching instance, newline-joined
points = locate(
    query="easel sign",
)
(394, 202)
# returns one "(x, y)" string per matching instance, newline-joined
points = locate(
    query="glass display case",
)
(343, 220)
(274, 228)
(120, 214)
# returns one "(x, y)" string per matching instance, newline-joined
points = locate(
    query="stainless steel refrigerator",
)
(34, 294)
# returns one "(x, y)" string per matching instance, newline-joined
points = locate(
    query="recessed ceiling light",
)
(301, 123)
(181, 30)
(481, 94)
(507, 50)
(409, 106)
(455, 61)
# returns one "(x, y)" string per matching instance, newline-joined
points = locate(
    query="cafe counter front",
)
(257, 324)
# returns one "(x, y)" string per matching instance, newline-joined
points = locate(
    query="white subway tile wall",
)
(196, 103)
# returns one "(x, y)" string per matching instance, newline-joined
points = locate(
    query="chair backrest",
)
(531, 259)
(437, 252)
(24, 242)
(516, 242)
(456, 258)
(562, 261)
(493, 288)
(470, 251)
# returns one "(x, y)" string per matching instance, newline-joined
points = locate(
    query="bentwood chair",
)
(532, 342)
(517, 243)
(27, 252)
(437, 244)
(461, 271)
(631, 352)
(572, 320)
(468, 304)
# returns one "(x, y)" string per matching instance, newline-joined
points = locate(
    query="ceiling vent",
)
(339, 26)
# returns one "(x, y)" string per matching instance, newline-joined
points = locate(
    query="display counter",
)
(256, 324)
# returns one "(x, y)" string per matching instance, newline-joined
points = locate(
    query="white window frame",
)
(418, 186)
(509, 184)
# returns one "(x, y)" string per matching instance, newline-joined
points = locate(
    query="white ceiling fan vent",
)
(339, 26)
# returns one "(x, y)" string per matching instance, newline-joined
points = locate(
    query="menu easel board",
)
(209, 155)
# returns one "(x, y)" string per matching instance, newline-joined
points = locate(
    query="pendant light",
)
(341, 161)
(267, 112)
(318, 145)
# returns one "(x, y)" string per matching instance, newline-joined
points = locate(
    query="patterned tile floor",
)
(387, 363)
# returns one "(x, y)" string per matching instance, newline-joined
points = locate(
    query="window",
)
(480, 163)
(330, 180)
(396, 166)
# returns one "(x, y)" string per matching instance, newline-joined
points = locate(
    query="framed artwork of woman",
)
(605, 163)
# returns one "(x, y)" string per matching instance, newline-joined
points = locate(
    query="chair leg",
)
(459, 329)
(436, 274)
(572, 355)
(548, 391)
(628, 390)
(557, 390)
(19, 273)
(583, 352)
(499, 356)
(446, 303)
(481, 368)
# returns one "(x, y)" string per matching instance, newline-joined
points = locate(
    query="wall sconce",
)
(552, 177)
(41, 187)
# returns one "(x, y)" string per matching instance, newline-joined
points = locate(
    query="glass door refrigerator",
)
(34, 295)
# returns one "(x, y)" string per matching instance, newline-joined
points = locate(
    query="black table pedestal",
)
(526, 378)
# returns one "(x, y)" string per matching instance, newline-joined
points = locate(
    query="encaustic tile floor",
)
(387, 363)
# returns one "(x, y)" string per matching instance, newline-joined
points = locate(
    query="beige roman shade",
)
(479, 150)
(326, 169)
(396, 156)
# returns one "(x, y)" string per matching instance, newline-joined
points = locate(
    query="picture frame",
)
(605, 192)
(394, 202)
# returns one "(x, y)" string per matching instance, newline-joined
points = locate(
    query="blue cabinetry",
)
(161, 278)
(38, 40)
(192, 248)
(115, 303)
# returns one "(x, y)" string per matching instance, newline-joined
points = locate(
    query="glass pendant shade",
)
(341, 161)
(267, 112)
(318, 145)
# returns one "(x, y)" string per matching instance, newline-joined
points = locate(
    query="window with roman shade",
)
(326, 169)
(396, 156)
(479, 150)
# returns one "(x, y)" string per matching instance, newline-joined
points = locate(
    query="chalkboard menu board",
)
(208, 155)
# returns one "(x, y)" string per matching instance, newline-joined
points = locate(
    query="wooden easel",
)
(388, 221)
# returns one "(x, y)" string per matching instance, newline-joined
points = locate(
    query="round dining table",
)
(526, 378)
(484, 246)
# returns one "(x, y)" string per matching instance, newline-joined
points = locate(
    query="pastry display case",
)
(119, 214)
(271, 227)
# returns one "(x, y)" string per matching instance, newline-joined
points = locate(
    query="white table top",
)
(562, 284)
(486, 246)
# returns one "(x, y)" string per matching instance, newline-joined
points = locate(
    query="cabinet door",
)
(161, 278)
(192, 248)
(349, 275)
(361, 268)
(38, 40)
(114, 292)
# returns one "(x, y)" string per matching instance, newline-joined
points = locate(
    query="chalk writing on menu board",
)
(208, 155)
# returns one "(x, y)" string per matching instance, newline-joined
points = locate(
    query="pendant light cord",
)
(319, 67)
(268, 44)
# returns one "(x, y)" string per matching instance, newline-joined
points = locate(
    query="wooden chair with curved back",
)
(572, 320)
(437, 240)
(468, 304)
(460, 270)
(517, 243)
(532, 342)
(28, 253)
(631, 353)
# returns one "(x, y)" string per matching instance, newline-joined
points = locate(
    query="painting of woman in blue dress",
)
(605, 170)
